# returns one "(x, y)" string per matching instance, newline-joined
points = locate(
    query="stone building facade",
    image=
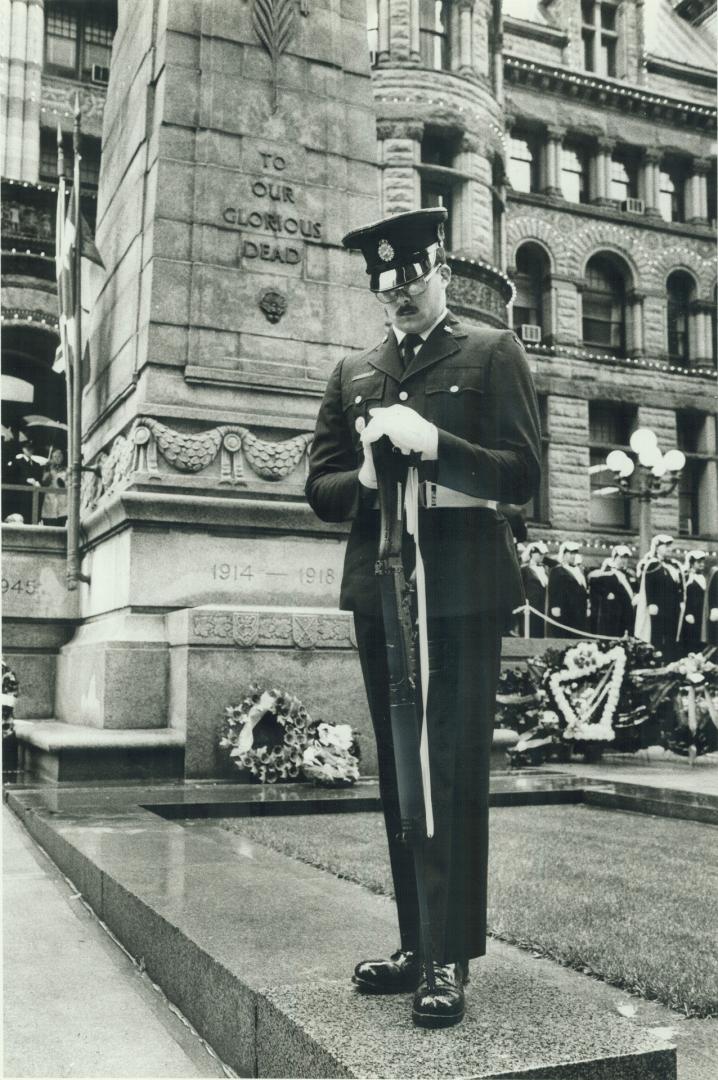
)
(573, 142)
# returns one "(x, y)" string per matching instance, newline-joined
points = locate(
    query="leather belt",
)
(436, 497)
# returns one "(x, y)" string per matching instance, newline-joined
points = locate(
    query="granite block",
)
(494, 1039)
(209, 996)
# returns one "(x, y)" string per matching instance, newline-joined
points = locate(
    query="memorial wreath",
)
(271, 735)
(593, 695)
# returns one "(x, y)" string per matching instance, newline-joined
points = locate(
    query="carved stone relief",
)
(263, 629)
(150, 442)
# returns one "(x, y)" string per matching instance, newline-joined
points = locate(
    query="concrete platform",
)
(256, 950)
(51, 751)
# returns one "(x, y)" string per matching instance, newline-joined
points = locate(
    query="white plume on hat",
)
(568, 545)
(660, 538)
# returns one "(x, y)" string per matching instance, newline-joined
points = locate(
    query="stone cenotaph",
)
(239, 145)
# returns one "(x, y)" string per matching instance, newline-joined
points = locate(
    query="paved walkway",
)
(74, 1004)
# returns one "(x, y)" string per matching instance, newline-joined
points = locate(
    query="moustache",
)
(407, 309)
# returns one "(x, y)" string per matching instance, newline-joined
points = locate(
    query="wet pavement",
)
(255, 948)
(74, 1003)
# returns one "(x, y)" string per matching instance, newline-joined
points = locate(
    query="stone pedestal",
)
(228, 179)
(218, 652)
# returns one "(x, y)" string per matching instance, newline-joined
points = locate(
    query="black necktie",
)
(409, 345)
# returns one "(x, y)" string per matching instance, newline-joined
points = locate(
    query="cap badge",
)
(385, 251)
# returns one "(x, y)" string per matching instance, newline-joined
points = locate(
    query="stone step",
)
(50, 751)
(256, 950)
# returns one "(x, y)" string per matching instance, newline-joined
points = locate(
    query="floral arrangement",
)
(589, 706)
(686, 692)
(271, 735)
(594, 694)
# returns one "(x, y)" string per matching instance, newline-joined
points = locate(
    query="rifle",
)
(392, 470)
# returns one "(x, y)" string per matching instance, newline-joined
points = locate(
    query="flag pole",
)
(59, 256)
(74, 373)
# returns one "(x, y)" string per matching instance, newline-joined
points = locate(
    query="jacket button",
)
(357, 399)
(454, 389)
(403, 395)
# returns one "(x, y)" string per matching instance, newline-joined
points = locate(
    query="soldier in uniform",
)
(692, 626)
(535, 580)
(710, 610)
(567, 594)
(616, 598)
(594, 579)
(661, 597)
(462, 397)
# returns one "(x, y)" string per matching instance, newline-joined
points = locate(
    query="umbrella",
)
(44, 421)
(53, 435)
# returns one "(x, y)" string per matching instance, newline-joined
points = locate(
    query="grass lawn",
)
(630, 898)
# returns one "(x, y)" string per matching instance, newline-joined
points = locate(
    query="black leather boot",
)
(399, 974)
(445, 1005)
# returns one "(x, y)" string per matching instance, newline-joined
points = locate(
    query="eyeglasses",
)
(413, 288)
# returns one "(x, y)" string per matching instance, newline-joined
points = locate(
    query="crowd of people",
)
(24, 471)
(670, 603)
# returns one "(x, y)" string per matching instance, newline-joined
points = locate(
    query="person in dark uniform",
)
(594, 579)
(567, 594)
(661, 597)
(616, 616)
(462, 397)
(23, 469)
(535, 581)
(710, 610)
(695, 582)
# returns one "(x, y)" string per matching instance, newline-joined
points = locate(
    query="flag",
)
(91, 279)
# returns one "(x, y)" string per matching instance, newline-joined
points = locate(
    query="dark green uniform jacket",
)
(475, 385)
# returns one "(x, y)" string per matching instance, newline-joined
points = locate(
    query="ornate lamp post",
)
(657, 475)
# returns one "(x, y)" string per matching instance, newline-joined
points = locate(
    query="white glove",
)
(713, 616)
(408, 431)
(690, 619)
(367, 472)
(556, 612)
(653, 609)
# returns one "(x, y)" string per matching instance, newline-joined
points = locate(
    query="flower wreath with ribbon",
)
(271, 735)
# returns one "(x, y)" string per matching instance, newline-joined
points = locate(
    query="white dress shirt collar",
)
(401, 334)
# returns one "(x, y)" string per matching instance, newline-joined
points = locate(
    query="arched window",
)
(434, 33)
(679, 289)
(604, 305)
(532, 267)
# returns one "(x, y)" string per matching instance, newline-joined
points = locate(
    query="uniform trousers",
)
(464, 667)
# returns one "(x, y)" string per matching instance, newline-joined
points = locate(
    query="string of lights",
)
(576, 352)
(609, 87)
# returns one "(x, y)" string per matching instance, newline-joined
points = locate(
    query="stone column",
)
(634, 342)
(651, 181)
(400, 154)
(697, 192)
(33, 89)
(602, 172)
(414, 30)
(383, 49)
(16, 36)
(551, 164)
(700, 329)
(465, 13)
